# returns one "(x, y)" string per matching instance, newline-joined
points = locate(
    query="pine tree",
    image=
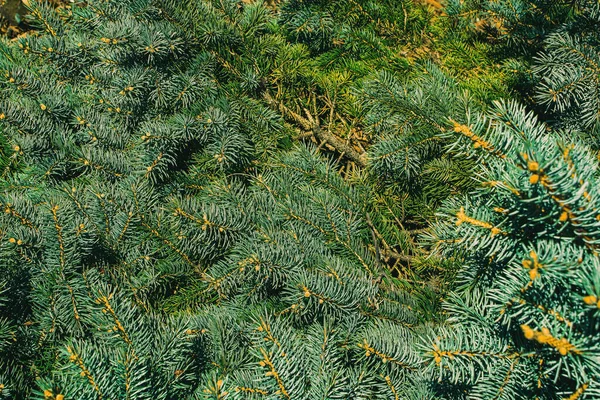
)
(520, 24)
(523, 319)
(567, 71)
(222, 199)
(549, 48)
(302, 302)
(152, 235)
(100, 112)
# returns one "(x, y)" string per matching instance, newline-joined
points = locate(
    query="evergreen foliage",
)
(295, 291)
(520, 24)
(144, 247)
(524, 315)
(549, 47)
(410, 118)
(299, 199)
(568, 71)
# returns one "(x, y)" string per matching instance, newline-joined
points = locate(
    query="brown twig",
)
(311, 124)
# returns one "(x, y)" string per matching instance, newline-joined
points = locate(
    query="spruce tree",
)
(156, 246)
(223, 199)
(100, 112)
(567, 71)
(523, 318)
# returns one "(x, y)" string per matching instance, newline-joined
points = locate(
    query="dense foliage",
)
(300, 199)
(524, 315)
